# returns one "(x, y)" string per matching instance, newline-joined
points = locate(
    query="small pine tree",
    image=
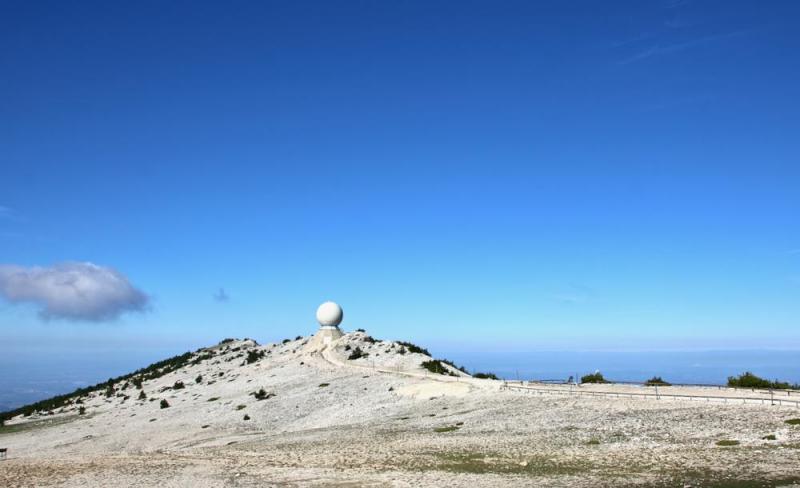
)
(246, 417)
(199, 379)
(164, 404)
(81, 410)
(142, 396)
(178, 385)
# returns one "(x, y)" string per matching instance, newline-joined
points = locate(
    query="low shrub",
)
(360, 330)
(213, 399)
(770, 437)
(449, 428)
(357, 353)
(749, 380)
(298, 338)
(253, 356)
(486, 376)
(164, 403)
(199, 379)
(241, 407)
(793, 421)
(142, 395)
(227, 340)
(656, 381)
(593, 378)
(81, 410)
(246, 417)
(262, 394)
(414, 348)
(285, 341)
(593, 442)
(437, 366)
(323, 385)
(178, 385)
(727, 443)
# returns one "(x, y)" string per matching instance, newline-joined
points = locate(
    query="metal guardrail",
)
(658, 396)
(766, 391)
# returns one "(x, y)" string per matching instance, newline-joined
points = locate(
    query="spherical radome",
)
(329, 314)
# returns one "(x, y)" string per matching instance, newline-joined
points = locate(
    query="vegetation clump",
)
(414, 348)
(449, 428)
(769, 437)
(437, 366)
(749, 380)
(793, 421)
(356, 354)
(323, 385)
(727, 443)
(142, 395)
(178, 385)
(593, 378)
(656, 381)
(81, 410)
(253, 356)
(262, 394)
(199, 379)
(485, 376)
(164, 403)
(226, 340)
(246, 417)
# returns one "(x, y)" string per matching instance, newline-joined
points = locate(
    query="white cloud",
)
(72, 291)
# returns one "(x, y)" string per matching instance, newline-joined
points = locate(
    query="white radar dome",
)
(329, 314)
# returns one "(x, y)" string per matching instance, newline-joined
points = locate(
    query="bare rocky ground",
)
(381, 420)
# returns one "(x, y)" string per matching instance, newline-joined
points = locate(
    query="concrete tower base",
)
(323, 337)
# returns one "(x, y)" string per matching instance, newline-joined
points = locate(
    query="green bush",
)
(414, 348)
(749, 380)
(357, 353)
(323, 385)
(164, 404)
(81, 410)
(593, 378)
(253, 356)
(437, 366)
(486, 376)
(360, 330)
(262, 394)
(246, 417)
(656, 381)
(178, 385)
(199, 379)
(142, 396)
(727, 443)
(227, 340)
(793, 421)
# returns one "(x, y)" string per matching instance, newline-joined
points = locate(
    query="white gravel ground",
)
(382, 420)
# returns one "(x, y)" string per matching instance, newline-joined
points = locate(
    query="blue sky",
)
(467, 175)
